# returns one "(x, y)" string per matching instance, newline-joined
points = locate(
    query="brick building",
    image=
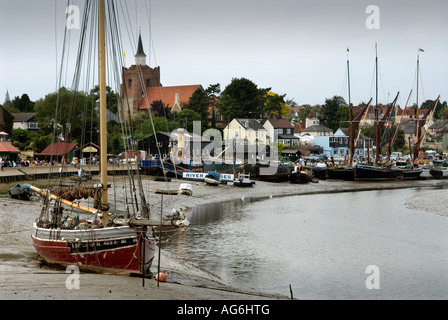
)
(135, 81)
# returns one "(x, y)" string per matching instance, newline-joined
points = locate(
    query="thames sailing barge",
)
(97, 238)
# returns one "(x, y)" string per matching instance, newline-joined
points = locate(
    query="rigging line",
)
(128, 144)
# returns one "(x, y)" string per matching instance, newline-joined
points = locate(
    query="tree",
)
(185, 119)
(159, 109)
(21, 138)
(274, 105)
(241, 99)
(23, 104)
(71, 114)
(199, 103)
(111, 98)
(212, 92)
(330, 114)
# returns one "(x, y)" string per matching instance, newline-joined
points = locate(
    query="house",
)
(282, 130)
(317, 131)
(9, 151)
(314, 128)
(25, 121)
(247, 138)
(438, 127)
(179, 142)
(245, 131)
(338, 145)
(57, 152)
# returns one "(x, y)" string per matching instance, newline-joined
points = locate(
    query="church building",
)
(135, 81)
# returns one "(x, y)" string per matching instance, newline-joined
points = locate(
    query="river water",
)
(357, 245)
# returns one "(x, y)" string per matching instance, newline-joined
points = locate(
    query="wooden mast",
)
(103, 121)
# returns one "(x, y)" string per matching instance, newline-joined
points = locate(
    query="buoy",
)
(161, 277)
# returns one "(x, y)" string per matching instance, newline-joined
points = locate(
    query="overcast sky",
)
(298, 48)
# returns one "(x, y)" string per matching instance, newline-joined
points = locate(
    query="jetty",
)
(10, 174)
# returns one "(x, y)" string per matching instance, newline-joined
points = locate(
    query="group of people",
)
(5, 162)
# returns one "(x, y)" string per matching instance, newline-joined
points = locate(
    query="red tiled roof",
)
(57, 149)
(7, 147)
(168, 95)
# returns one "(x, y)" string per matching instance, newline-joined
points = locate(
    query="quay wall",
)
(41, 172)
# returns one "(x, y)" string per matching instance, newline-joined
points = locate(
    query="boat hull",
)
(340, 173)
(376, 173)
(107, 250)
(21, 191)
(299, 177)
(439, 173)
(409, 174)
(320, 172)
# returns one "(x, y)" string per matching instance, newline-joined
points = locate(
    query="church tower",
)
(135, 80)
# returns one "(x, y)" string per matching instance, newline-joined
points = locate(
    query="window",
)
(147, 83)
(130, 83)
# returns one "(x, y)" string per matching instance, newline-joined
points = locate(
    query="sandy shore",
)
(22, 276)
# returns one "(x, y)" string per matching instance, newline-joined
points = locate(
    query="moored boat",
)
(98, 238)
(243, 180)
(414, 173)
(439, 172)
(363, 172)
(320, 172)
(302, 175)
(21, 191)
(341, 173)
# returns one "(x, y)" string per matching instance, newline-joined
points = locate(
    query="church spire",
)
(140, 57)
(7, 99)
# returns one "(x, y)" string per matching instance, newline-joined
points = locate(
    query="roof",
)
(57, 149)
(20, 117)
(317, 128)
(439, 124)
(6, 147)
(168, 95)
(279, 123)
(250, 124)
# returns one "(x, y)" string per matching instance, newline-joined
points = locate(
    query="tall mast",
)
(350, 113)
(418, 66)
(378, 130)
(103, 121)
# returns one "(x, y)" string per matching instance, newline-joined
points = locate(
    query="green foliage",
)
(185, 119)
(332, 113)
(199, 103)
(241, 99)
(273, 105)
(23, 104)
(71, 114)
(111, 98)
(20, 137)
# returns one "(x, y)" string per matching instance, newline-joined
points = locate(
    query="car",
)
(396, 155)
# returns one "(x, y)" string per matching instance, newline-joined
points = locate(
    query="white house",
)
(25, 121)
(282, 130)
(245, 131)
